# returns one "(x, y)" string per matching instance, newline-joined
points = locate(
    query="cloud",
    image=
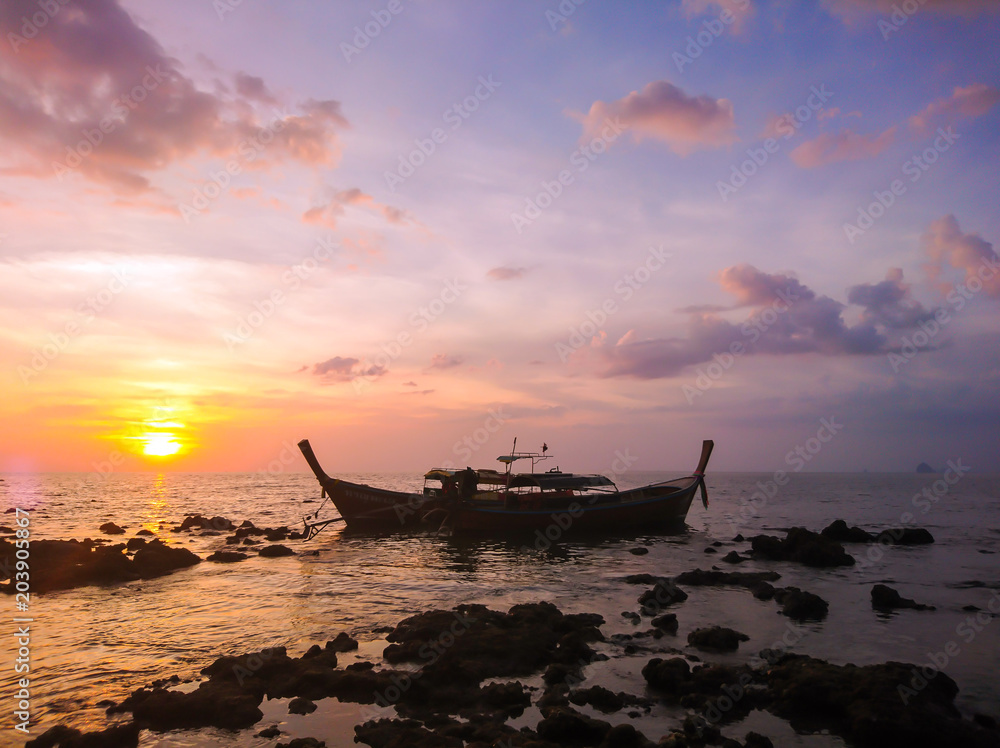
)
(847, 145)
(971, 101)
(888, 303)
(741, 10)
(788, 318)
(663, 112)
(945, 243)
(506, 273)
(444, 361)
(96, 94)
(332, 207)
(340, 369)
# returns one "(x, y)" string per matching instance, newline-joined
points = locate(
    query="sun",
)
(160, 444)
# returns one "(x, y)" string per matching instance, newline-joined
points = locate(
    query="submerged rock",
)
(117, 736)
(801, 605)
(841, 533)
(717, 638)
(667, 622)
(275, 551)
(803, 546)
(110, 528)
(227, 557)
(663, 593)
(905, 536)
(65, 564)
(886, 598)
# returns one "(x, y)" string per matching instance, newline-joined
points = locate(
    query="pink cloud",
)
(847, 145)
(97, 95)
(506, 273)
(332, 208)
(971, 101)
(946, 244)
(663, 112)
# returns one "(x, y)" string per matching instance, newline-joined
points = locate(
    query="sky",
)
(413, 231)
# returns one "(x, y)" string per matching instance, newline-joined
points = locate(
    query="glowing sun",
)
(160, 445)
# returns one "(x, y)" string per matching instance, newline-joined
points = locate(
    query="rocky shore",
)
(459, 677)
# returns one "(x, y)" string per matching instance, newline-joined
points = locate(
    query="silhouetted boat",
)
(485, 501)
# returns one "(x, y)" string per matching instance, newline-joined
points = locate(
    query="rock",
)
(640, 551)
(135, 544)
(598, 697)
(117, 736)
(219, 524)
(710, 549)
(342, 643)
(667, 622)
(714, 577)
(800, 605)
(145, 532)
(756, 740)
(803, 546)
(663, 593)
(924, 468)
(274, 551)
(303, 743)
(716, 638)
(227, 557)
(568, 727)
(905, 536)
(733, 558)
(156, 558)
(300, 705)
(268, 732)
(839, 531)
(110, 528)
(875, 706)
(886, 598)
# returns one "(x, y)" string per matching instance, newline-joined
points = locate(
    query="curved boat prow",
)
(706, 452)
(310, 456)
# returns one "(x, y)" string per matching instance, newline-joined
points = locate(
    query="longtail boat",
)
(485, 501)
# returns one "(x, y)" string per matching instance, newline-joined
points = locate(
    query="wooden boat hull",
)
(375, 509)
(650, 507)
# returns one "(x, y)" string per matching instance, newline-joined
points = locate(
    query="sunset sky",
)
(413, 230)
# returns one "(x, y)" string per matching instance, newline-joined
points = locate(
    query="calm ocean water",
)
(99, 643)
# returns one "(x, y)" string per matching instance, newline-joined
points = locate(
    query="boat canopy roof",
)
(483, 475)
(558, 481)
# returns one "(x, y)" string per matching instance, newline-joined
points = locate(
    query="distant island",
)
(923, 467)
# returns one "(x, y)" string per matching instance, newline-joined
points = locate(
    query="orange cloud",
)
(847, 145)
(663, 112)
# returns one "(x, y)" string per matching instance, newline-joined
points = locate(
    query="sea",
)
(92, 646)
